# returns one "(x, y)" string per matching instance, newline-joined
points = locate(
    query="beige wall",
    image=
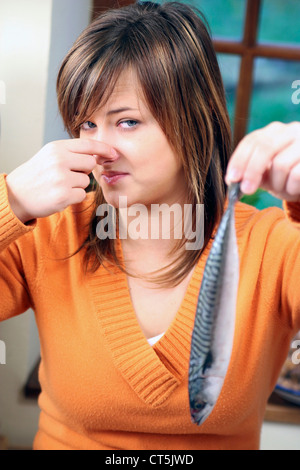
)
(34, 37)
(24, 55)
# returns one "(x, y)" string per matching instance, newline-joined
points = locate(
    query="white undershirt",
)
(154, 339)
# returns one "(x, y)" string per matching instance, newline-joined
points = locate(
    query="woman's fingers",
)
(85, 154)
(79, 180)
(282, 166)
(266, 158)
(255, 152)
(77, 196)
(92, 147)
(81, 162)
(293, 184)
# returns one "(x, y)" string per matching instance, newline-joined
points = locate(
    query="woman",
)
(141, 94)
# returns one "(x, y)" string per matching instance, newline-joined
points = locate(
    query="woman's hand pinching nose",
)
(108, 155)
(56, 177)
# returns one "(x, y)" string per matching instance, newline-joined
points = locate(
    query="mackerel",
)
(213, 332)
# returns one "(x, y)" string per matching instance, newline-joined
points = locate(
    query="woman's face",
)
(145, 168)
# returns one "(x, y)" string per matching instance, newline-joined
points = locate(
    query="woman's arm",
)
(13, 287)
(11, 227)
(48, 183)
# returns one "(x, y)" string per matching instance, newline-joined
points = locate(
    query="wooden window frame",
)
(99, 6)
(249, 49)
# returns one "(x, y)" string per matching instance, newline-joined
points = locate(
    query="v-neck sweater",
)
(103, 386)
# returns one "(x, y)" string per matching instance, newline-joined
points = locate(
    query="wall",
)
(34, 37)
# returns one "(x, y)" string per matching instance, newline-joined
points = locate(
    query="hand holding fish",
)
(268, 158)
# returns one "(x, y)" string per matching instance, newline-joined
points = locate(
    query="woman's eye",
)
(128, 124)
(88, 125)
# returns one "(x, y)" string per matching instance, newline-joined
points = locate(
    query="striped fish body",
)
(213, 331)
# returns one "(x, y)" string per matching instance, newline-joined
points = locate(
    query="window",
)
(269, 51)
(265, 36)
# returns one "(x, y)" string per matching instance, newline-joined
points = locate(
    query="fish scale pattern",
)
(202, 358)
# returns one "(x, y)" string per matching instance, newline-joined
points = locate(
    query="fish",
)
(214, 325)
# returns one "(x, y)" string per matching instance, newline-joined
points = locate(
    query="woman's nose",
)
(109, 153)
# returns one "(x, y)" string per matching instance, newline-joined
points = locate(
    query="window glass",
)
(230, 69)
(279, 21)
(275, 95)
(225, 18)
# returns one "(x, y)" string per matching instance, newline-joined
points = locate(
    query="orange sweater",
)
(103, 385)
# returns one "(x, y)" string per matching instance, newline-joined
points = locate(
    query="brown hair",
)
(170, 49)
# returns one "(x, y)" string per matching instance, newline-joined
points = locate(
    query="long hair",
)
(170, 49)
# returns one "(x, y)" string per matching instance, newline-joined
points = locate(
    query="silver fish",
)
(213, 331)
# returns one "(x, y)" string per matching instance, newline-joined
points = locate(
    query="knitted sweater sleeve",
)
(291, 276)
(282, 253)
(15, 298)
